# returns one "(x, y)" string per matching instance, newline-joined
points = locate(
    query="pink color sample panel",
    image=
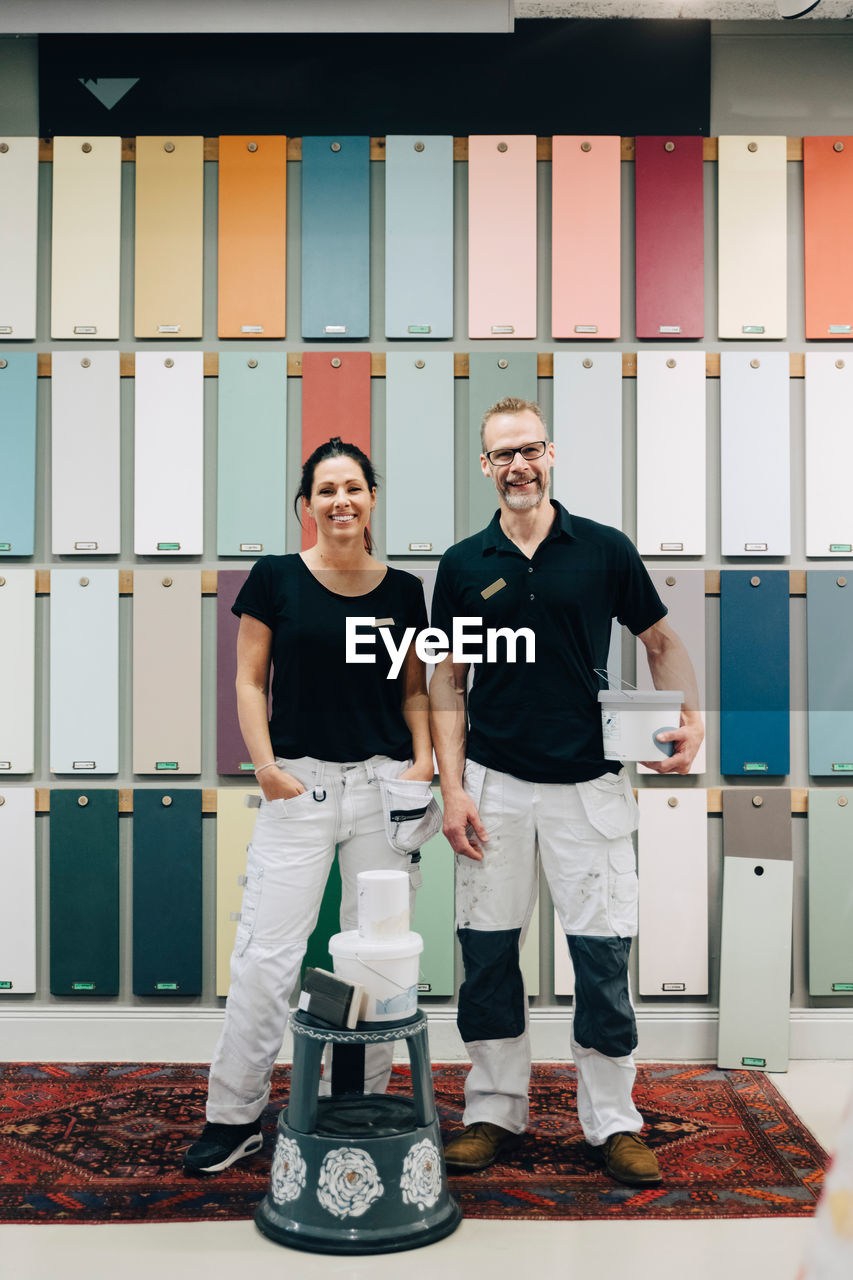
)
(502, 236)
(670, 249)
(585, 243)
(335, 402)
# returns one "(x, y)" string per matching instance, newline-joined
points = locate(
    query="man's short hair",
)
(512, 404)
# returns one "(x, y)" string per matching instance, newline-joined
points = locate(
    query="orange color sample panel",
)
(828, 216)
(585, 237)
(169, 236)
(252, 208)
(335, 402)
(502, 236)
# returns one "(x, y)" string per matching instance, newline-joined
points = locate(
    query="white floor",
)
(740, 1250)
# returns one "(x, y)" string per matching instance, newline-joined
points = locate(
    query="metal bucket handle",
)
(605, 675)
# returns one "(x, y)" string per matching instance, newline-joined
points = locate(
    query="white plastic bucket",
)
(383, 904)
(387, 968)
(632, 718)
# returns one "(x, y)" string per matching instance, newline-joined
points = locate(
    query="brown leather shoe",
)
(628, 1159)
(478, 1146)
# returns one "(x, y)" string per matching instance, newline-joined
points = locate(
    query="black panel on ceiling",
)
(550, 76)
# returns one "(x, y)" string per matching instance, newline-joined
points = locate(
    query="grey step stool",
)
(357, 1172)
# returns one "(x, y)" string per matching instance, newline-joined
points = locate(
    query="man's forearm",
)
(671, 668)
(447, 722)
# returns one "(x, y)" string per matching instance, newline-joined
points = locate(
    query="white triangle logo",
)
(108, 92)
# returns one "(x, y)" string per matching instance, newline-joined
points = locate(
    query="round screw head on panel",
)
(420, 364)
(4, 147)
(670, 364)
(84, 582)
(167, 582)
(503, 364)
(842, 800)
(86, 148)
(336, 146)
(755, 582)
(2, 582)
(669, 146)
(85, 363)
(755, 364)
(2, 799)
(841, 582)
(587, 364)
(336, 362)
(758, 801)
(672, 802)
(169, 146)
(586, 146)
(82, 801)
(670, 582)
(839, 364)
(253, 146)
(253, 364)
(167, 800)
(3, 363)
(170, 364)
(838, 146)
(502, 147)
(419, 146)
(753, 146)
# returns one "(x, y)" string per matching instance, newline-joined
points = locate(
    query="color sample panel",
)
(830, 894)
(418, 237)
(18, 900)
(671, 453)
(585, 237)
(755, 449)
(85, 436)
(827, 214)
(335, 401)
(502, 236)
(169, 230)
(755, 946)
(336, 237)
(17, 670)
(529, 959)
(670, 249)
(587, 434)
(672, 863)
(166, 671)
(234, 826)
(683, 593)
(18, 236)
(754, 673)
(169, 448)
(829, 455)
(419, 441)
(84, 671)
(84, 901)
(231, 754)
(433, 916)
(18, 378)
(251, 503)
(564, 970)
(167, 915)
(829, 614)
(252, 217)
(86, 241)
(491, 377)
(753, 237)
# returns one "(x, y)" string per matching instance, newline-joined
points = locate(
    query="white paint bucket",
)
(631, 719)
(383, 904)
(388, 969)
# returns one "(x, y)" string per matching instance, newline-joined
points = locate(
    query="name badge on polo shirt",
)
(383, 622)
(496, 586)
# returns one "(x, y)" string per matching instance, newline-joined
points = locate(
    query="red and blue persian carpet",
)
(103, 1143)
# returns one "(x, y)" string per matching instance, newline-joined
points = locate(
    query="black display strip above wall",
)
(548, 76)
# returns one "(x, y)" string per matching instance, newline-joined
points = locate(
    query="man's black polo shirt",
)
(541, 721)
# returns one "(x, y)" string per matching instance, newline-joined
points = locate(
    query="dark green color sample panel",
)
(328, 923)
(492, 376)
(754, 673)
(167, 919)
(84, 906)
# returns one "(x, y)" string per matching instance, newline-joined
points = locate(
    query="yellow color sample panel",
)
(86, 238)
(753, 237)
(167, 671)
(235, 824)
(169, 230)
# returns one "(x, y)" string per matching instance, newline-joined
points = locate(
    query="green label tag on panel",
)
(842, 768)
(165, 986)
(754, 1062)
(753, 328)
(168, 546)
(839, 328)
(841, 546)
(246, 766)
(420, 328)
(166, 764)
(754, 766)
(5, 986)
(82, 986)
(836, 986)
(5, 546)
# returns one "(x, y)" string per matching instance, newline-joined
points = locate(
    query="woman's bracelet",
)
(260, 768)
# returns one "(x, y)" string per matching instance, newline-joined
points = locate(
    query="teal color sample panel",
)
(251, 479)
(754, 673)
(492, 376)
(829, 614)
(336, 237)
(419, 441)
(167, 912)
(18, 382)
(830, 881)
(433, 916)
(418, 237)
(84, 897)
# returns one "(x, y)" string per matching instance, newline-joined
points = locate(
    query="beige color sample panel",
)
(168, 246)
(167, 671)
(829, 454)
(86, 239)
(753, 237)
(18, 899)
(85, 453)
(18, 236)
(671, 453)
(235, 824)
(672, 864)
(169, 454)
(17, 670)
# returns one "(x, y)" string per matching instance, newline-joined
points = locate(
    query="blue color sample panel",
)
(754, 673)
(167, 919)
(18, 381)
(336, 237)
(829, 613)
(84, 906)
(251, 502)
(418, 237)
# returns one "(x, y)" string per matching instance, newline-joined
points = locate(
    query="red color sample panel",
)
(585, 246)
(335, 402)
(669, 224)
(502, 236)
(828, 214)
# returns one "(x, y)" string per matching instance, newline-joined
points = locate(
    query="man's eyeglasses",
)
(502, 457)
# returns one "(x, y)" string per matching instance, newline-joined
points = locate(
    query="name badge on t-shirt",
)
(495, 586)
(383, 622)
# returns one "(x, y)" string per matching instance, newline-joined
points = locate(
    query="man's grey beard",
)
(523, 502)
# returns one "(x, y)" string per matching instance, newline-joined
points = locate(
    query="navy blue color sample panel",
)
(754, 673)
(167, 921)
(336, 237)
(84, 917)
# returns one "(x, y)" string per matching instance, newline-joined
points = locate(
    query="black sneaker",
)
(220, 1145)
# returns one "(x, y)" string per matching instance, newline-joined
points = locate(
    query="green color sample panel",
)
(84, 899)
(830, 880)
(492, 376)
(433, 916)
(251, 489)
(328, 923)
(829, 614)
(167, 914)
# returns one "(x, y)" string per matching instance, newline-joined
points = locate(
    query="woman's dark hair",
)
(335, 448)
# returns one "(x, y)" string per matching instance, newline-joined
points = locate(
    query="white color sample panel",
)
(829, 455)
(755, 453)
(18, 237)
(85, 453)
(419, 441)
(17, 670)
(86, 239)
(588, 434)
(753, 237)
(672, 864)
(169, 448)
(18, 899)
(671, 453)
(84, 671)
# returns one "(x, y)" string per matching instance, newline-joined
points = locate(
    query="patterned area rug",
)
(103, 1143)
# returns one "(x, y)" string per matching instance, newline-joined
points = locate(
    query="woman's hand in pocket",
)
(278, 785)
(418, 772)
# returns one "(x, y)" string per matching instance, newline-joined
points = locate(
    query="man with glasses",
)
(523, 777)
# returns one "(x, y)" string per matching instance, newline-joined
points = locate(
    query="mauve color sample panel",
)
(669, 229)
(231, 755)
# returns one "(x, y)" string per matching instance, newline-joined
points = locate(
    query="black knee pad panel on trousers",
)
(603, 1017)
(491, 999)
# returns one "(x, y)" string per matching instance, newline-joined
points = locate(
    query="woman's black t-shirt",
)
(322, 705)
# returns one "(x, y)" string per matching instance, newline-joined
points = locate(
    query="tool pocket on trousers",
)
(410, 812)
(609, 805)
(623, 889)
(473, 780)
(251, 898)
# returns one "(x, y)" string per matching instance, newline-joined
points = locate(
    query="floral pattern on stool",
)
(420, 1180)
(289, 1171)
(349, 1182)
